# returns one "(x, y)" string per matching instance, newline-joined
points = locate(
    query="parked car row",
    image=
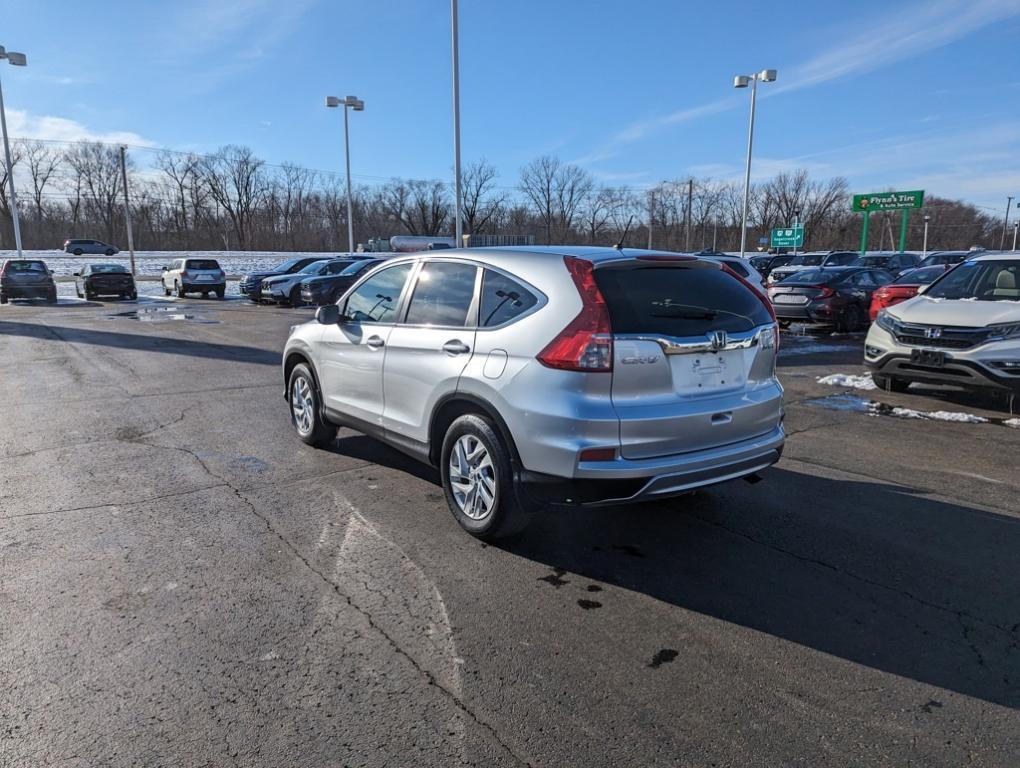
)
(562, 375)
(313, 280)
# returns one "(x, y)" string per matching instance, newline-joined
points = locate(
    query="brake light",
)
(826, 291)
(586, 344)
(597, 454)
(184, 274)
(761, 296)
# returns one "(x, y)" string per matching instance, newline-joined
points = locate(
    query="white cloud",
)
(21, 124)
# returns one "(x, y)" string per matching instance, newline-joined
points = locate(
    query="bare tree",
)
(42, 161)
(97, 167)
(479, 201)
(237, 183)
(556, 191)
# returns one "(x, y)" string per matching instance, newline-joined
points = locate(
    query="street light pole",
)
(742, 81)
(459, 229)
(1005, 223)
(1016, 226)
(352, 102)
(17, 60)
(127, 206)
(924, 248)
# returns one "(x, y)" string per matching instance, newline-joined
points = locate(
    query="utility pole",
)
(456, 122)
(1005, 223)
(687, 223)
(127, 207)
(651, 215)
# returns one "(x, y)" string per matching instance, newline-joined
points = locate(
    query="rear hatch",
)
(26, 275)
(197, 271)
(110, 281)
(694, 352)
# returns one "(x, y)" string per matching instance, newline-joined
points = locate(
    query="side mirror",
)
(165, 267)
(328, 314)
(77, 274)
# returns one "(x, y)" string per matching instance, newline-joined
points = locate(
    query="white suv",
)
(560, 375)
(203, 276)
(963, 329)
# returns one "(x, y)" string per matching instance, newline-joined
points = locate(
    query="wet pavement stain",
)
(589, 604)
(594, 588)
(162, 315)
(930, 706)
(665, 656)
(629, 549)
(555, 578)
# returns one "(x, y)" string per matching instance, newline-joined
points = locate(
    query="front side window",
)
(443, 294)
(375, 300)
(980, 280)
(503, 299)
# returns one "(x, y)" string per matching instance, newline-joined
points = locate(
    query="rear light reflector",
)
(586, 344)
(597, 454)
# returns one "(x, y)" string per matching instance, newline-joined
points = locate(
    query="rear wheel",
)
(889, 383)
(478, 480)
(109, 251)
(179, 290)
(220, 292)
(51, 297)
(205, 294)
(77, 251)
(850, 319)
(3, 298)
(306, 410)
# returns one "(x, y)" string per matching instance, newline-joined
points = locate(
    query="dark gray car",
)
(78, 247)
(26, 279)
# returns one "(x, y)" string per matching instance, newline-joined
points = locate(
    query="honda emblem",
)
(932, 333)
(717, 339)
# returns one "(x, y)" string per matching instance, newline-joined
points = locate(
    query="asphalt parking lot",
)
(182, 582)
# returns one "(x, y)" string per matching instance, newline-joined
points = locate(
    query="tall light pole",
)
(742, 81)
(454, 41)
(924, 248)
(358, 106)
(17, 60)
(1005, 223)
(1016, 226)
(127, 206)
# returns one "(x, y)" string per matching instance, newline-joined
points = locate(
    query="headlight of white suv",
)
(1004, 331)
(886, 322)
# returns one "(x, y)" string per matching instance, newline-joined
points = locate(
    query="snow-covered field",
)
(150, 263)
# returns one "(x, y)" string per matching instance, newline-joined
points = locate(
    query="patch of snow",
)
(853, 381)
(1012, 423)
(954, 416)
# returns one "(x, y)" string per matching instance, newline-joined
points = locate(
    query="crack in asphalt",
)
(430, 678)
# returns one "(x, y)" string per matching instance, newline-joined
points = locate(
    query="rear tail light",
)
(586, 344)
(825, 292)
(185, 274)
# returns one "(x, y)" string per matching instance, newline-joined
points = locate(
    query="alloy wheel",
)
(473, 477)
(302, 405)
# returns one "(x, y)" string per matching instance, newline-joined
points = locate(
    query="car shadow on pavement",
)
(143, 342)
(872, 573)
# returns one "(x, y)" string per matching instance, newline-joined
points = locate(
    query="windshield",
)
(356, 267)
(108, 268)
(921, 276)
(811, 277)
(312, 269)
(287, 266)
(869, 261)
(981, 281)
(807, 259)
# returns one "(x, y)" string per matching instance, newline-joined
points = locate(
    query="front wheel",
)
(77, 251)
(295, 296)
(305, 408)
(478, 480)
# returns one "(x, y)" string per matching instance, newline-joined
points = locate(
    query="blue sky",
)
(904, 95)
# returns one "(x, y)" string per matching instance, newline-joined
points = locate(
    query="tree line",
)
(234, 200)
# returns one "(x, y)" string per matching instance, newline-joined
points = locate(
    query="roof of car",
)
(997, 256)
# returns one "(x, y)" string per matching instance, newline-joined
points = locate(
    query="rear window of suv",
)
(678, 301)
(201, 264)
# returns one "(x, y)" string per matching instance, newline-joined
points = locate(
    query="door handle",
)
(456, 347)
(374, 342)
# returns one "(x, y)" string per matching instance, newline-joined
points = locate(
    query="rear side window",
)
(443, 294)
(678, 301)
(811, 277)
(738, 267)
(503, 299)
(375, 300)
(202, 264)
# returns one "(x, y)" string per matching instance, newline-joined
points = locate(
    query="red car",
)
(905, 287)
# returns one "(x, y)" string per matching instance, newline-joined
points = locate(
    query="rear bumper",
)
(623, 481)
(195, 287)
(15, 291)
(814, 312)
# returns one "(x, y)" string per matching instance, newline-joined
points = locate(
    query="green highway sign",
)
(888, 201)
(788, 237)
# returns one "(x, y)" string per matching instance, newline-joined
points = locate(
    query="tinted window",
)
(312, 268)
(738, 267)
(358, 267)
(503, 299)
(203, 264)
(812, 277)
(375, 300)
(107, 268)
(840, 259)
(289, 266)
(26, 267)
(862, 280)
(807, 259)
(443, 294)
(678, 301)
(984, 281)
(335, 267)
(870, 261)
(882, 278)
(921, 276)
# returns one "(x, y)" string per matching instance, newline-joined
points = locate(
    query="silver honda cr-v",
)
(561, 375)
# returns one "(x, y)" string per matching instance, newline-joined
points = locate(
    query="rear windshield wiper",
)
(686, 313)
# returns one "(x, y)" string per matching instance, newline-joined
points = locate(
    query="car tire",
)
(133, 295)
(77, 292)
(205, 294)
(295, 296)
(109, 251)
(179, 290)
(484, 502)
(850, 319)
(784, 324)
(77, 251)
(889, 383)
(220, 293)
(166, 291)
(51, 297)
(305, 403)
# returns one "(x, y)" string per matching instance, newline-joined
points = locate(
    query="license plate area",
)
(929, 358)
(708, 373)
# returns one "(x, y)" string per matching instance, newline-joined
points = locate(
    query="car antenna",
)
(619, 245)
